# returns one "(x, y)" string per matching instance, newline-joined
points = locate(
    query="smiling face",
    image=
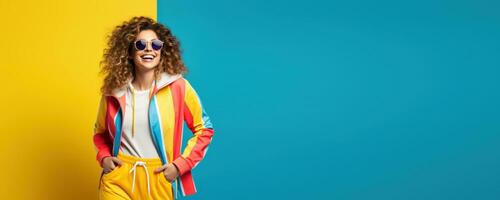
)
(147, 59)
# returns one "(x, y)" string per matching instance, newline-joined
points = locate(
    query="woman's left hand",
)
(169, 170)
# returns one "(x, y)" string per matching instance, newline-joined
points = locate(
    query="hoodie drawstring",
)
(132, 90)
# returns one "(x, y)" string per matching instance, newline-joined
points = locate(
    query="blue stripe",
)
(206, 120)
(118, 132)
(155, 128)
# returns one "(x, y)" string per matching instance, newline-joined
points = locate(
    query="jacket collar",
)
(164, 80)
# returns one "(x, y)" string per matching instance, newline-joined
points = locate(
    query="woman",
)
(138, 130)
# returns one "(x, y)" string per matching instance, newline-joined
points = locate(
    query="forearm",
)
(102, 146)
(195, 151)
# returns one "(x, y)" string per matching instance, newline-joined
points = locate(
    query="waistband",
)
(132, 159)
(149, 162)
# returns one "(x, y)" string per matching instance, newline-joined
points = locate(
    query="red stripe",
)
(188, 183)
(177, 88)
(201, 145)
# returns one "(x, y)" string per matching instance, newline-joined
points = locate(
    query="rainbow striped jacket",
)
(172, 101)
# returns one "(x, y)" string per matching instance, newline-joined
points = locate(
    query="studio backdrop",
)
(344, 100)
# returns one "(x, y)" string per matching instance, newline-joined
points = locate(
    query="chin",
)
(147, 66)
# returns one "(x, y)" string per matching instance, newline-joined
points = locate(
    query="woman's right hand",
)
(109, 164)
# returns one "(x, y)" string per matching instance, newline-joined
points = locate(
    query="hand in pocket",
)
(110, 163)
(169, 170)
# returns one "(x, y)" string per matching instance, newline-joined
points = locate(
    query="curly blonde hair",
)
(118, 67)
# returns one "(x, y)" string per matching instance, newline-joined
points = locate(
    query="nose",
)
(149, 47)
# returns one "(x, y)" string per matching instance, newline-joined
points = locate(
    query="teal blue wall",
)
(345, 100)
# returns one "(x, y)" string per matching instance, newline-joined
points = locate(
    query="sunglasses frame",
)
(147, 43)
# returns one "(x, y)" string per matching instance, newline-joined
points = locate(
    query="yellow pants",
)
(119, 183)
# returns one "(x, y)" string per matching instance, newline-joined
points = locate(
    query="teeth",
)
(148, 56)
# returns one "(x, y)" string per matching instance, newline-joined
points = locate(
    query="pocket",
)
(112, 172)
(164, 178)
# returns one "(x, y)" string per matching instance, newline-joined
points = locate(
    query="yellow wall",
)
(50, 52)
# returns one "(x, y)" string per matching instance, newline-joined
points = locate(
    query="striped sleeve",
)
(102, 141)
(199, 123)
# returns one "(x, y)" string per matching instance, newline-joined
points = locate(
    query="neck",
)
(143, 79)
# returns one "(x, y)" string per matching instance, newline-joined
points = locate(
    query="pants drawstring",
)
(134, 169)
